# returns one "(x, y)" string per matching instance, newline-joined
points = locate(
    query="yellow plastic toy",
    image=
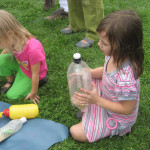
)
(1, 115)
(18, 111)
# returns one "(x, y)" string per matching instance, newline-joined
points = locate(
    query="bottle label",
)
(7, 131)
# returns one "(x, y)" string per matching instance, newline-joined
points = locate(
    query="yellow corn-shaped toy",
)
(1, 114)
(18, 111)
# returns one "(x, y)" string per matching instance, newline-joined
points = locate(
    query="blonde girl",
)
(22, 60)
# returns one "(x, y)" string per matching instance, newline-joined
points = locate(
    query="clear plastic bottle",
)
(11, 128)
(79, 76)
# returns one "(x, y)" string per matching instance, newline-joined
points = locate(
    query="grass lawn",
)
(54, 96)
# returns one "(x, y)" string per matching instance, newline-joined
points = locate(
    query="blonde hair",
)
(9, 24)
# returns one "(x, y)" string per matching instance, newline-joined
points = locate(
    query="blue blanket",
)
(36, 134)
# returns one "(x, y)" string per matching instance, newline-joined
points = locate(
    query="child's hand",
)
(90, 97)
(33, 98)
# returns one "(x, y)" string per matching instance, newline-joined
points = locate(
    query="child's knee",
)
(11, 95)
(77, 133)
(72, 131)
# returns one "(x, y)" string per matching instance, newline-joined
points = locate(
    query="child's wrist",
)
(98, 101)
(33, 93)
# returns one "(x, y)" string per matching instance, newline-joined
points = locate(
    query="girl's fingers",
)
(26, 98)
(81, 102)
(85, 91)
(79, 94)
(38, 97)
(34, 101)
(82, 99)
(37, 100)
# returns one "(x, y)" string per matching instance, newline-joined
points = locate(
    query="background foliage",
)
(55, 104)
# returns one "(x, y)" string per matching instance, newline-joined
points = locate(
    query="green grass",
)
(54, 96)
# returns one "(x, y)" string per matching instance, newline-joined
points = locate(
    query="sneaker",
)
(64, 15)
(59, 13)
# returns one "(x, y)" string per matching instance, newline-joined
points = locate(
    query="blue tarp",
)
(36, 134)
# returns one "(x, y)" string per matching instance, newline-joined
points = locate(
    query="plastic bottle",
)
(11, 128)
(79, 76)
(17, 111)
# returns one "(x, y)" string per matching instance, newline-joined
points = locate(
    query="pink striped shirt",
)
(121, 85)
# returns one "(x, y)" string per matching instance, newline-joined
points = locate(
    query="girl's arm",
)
(92, 97)
(122, 107)
(97, 72)
(35, 83)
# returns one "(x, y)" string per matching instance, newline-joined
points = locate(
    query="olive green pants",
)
(85, 15)
(22, 84)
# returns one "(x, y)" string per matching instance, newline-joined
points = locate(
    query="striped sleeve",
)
(127, 88)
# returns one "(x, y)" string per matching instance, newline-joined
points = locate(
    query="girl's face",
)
(104, 44)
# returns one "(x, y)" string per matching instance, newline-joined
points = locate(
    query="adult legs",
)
(84, 15)
(76, 16)
(93, 11)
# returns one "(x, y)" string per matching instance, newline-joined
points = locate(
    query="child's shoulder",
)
(34, 43)
(126, 72)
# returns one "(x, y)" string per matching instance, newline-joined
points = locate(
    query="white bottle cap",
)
(23, 120)
(77, 56)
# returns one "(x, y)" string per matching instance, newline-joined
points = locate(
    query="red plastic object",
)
(6, 112)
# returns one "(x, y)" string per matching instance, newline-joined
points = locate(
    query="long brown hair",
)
(124, 31)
